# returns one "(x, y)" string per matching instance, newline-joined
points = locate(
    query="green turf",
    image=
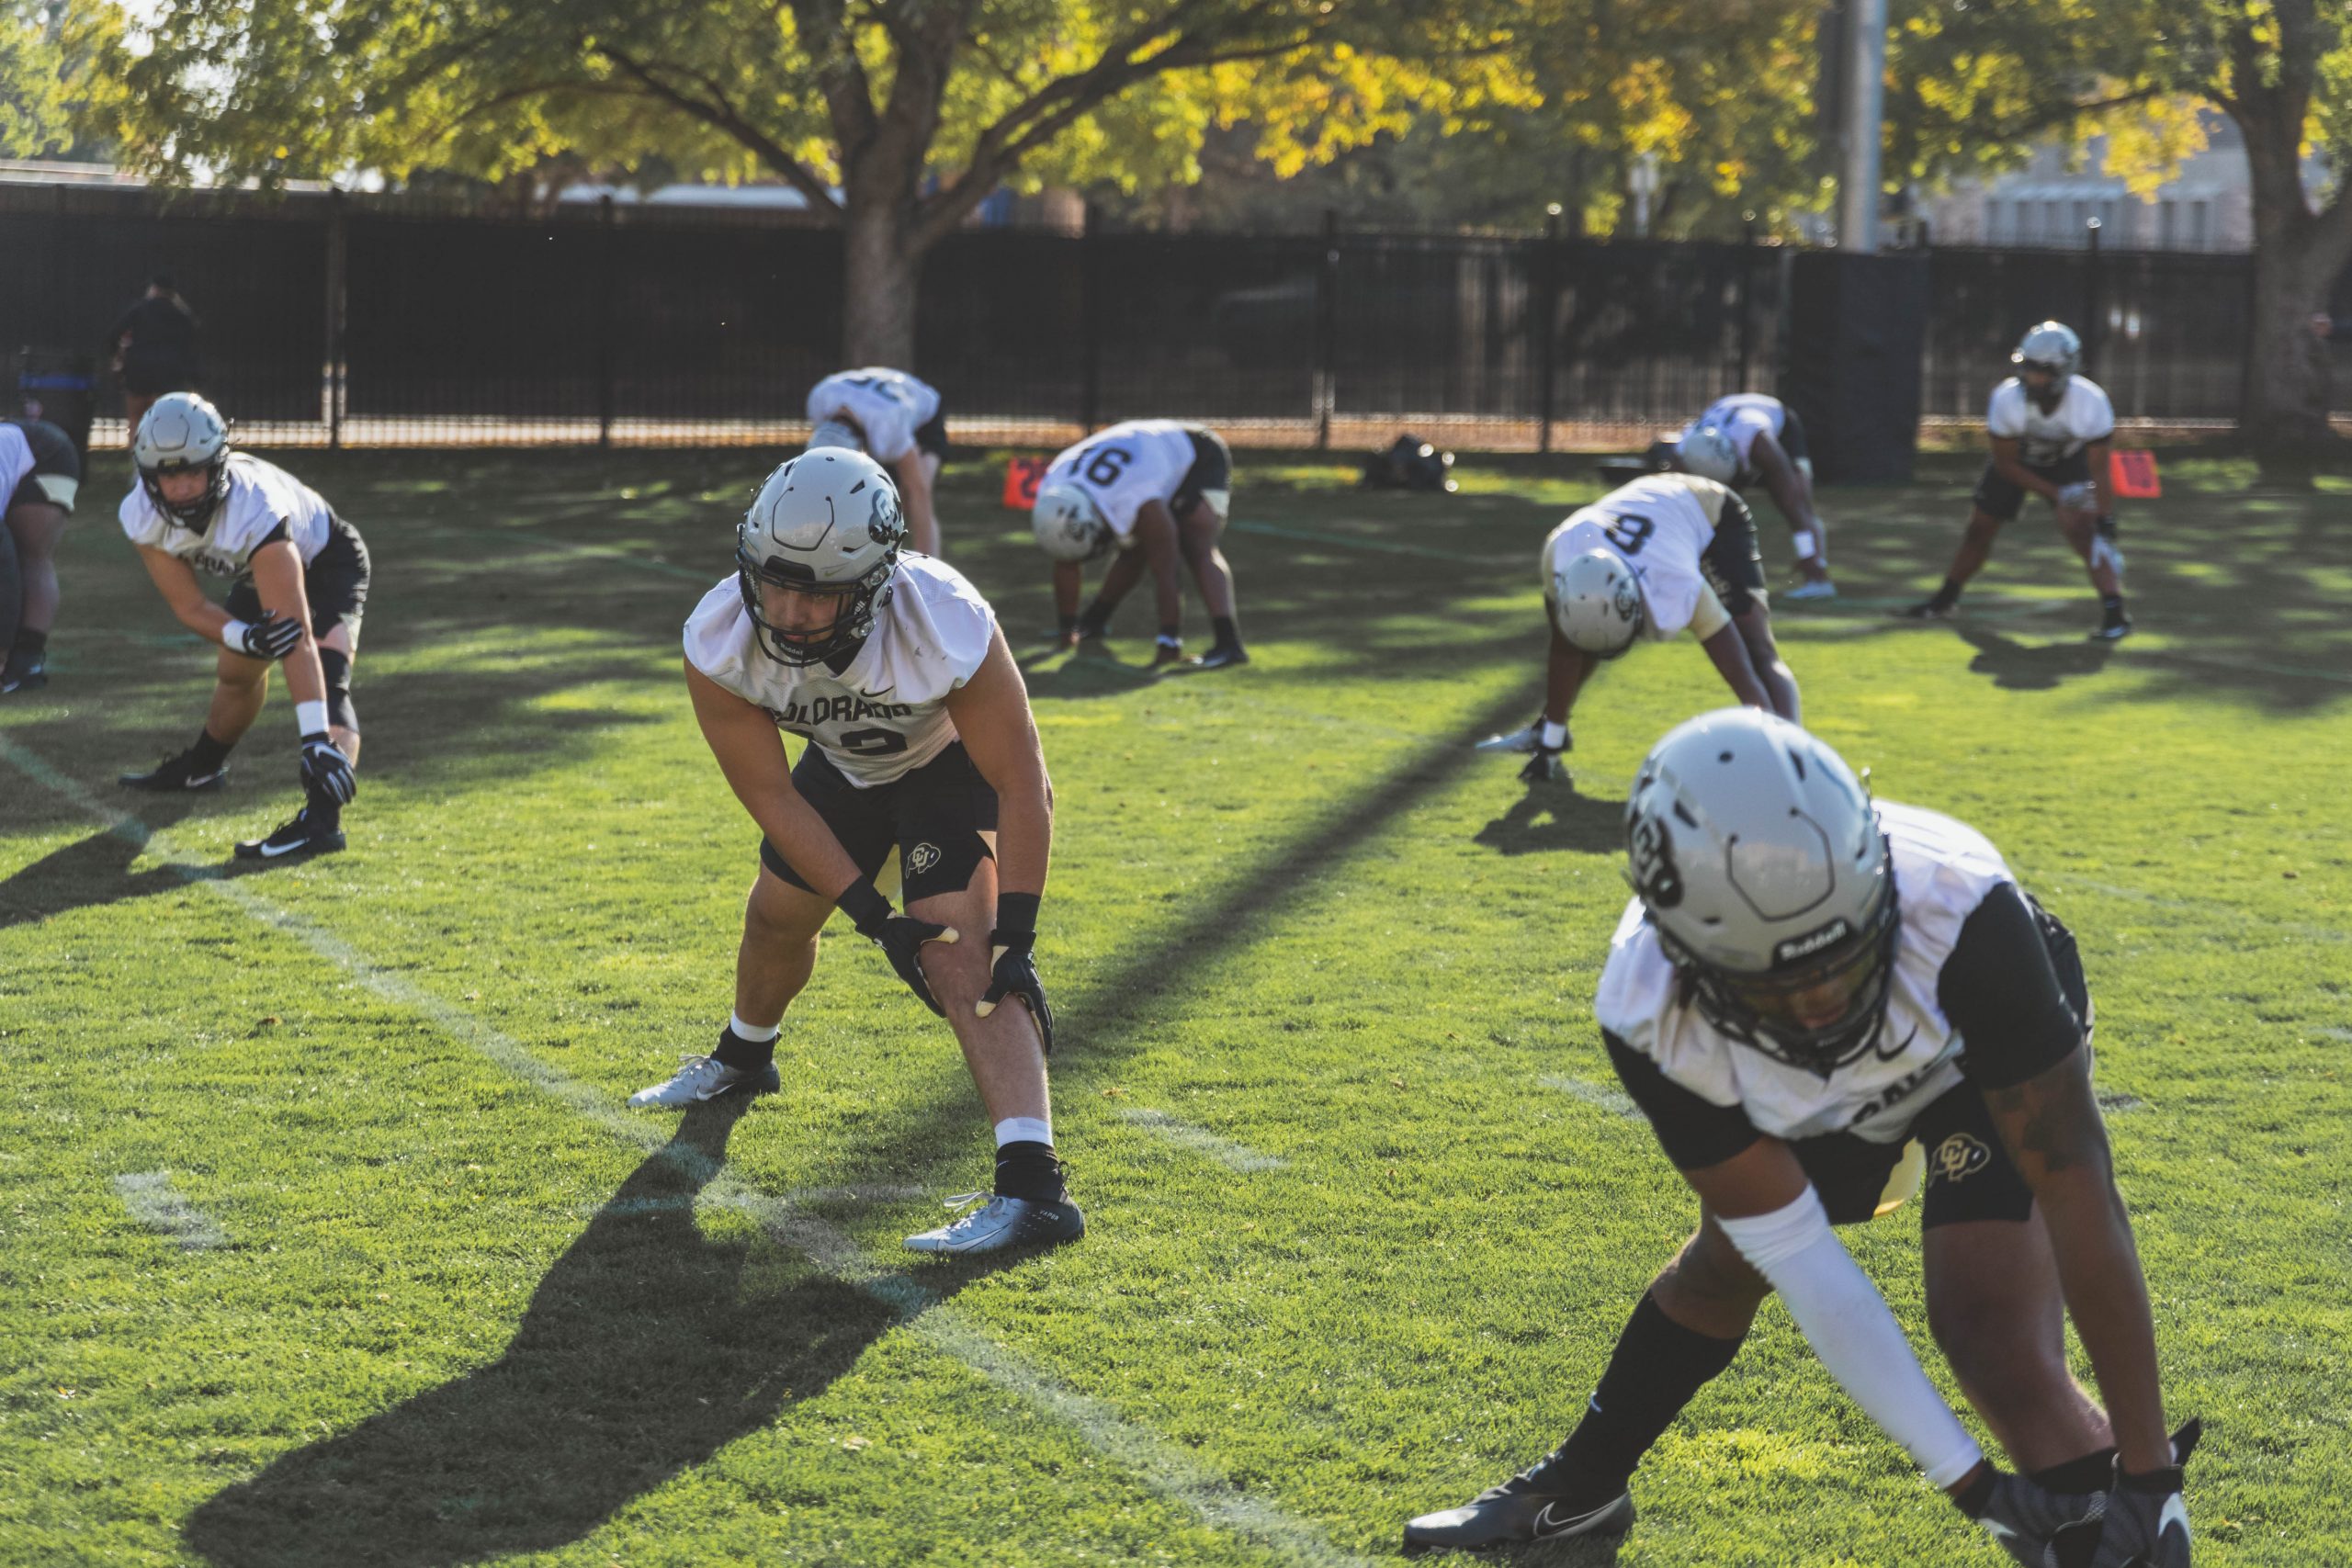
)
(464, 1307)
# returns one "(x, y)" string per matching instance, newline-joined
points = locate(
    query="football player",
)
(897, 420)
(891, 666)
(299, 577)
(1769, 449)
(2051, 429)
(1805, 983)
(40, 474)
(1159, 492)
(1667, 551)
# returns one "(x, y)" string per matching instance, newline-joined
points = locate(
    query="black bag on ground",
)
(1410, 463)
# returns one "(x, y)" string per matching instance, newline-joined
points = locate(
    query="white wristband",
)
(1804, 541)
(311, 718)
(233, 635)
(1554, 735)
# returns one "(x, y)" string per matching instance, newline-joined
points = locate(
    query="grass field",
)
(324, 1238)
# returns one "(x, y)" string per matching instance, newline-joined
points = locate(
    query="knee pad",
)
(335, 665)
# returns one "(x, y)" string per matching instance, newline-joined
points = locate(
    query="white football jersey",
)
(1744, 416)
(16, 460)
(1943, 869)
(2083, 415)
(1126, 466)
(1659, 524)
(262, 496)
(885, 713)
(888, 405)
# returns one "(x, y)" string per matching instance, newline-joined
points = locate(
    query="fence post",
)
(338, 284)
(1326, 328)
(2091, 300)
(1746, 298)
(1547, 322)
(605, 322)
(1089, 325)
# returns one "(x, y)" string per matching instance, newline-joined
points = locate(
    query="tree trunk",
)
(2285, 417)
(878, 288)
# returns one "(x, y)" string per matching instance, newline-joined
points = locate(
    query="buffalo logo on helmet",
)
(883, 524)
(1628, 597)
(1655, 877)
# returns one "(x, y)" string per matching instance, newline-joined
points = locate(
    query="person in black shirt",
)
(154, 348)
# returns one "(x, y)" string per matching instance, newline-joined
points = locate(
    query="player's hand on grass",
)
(900, 936)
(2145, 1524)
(2028, 1519)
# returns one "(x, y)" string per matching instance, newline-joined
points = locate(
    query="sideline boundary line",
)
(1155, 1462)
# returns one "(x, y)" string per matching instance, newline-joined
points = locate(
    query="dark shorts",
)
(1732, 564)
(1792, 437)
(931, 434)
(334, 584)
(1212, 469)
(53, 458)
(935, 815)
(1999, 499)
(149, 373)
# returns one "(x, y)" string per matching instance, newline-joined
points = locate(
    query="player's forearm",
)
(206, 619)
(800, 836)
(2025, 478)
(1070, 581)
(1024, 836)
(2106, 1295)
(305, 681)
(1729, 652)
(1563, 676)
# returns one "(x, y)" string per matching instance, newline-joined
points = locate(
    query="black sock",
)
(323, 812)
(2111, 603)
(1658, 1368)
(207, 754)
(1070, 625)
(1095, 622)
(2094, 1471)
(743, 1055)
(30, 643)
(1946, 596)
(1027, 1170)
(1226, 636)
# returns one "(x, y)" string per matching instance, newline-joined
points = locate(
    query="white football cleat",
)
(1519, 742)
(703, 1078)
(1000, 1224)
(1813, 588)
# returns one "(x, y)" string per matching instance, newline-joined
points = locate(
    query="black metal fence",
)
(388, 321)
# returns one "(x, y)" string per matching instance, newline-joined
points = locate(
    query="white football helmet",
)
(1758, 857)
(1706, 451)
(1596, 603)
(2052, 346)
(1067, 523)
(181, 430)
(826, 523)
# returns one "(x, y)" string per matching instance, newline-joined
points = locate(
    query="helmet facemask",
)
(195, 515)
(1855, 973)
(851, 624)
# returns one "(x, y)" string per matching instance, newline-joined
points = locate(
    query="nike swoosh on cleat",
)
(1546, 1524)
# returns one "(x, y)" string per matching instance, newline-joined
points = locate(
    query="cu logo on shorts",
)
(922, 858)
(1958, 1157)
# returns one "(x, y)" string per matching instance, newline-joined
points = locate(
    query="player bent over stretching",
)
(1665, 552)
(1769, 447)
(1804, 983)
(301, 587)
(920, 735)
(897, 420)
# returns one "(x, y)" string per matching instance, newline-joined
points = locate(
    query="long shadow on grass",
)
(2031, 667)
(647, 1348)
(97, 870)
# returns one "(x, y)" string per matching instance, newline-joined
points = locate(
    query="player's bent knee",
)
(335, 665)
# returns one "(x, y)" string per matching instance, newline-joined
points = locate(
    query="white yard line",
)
(155, 1203)
(1615, 1101)
(1157, 1464)
(1201, 1141)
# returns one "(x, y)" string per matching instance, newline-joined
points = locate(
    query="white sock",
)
(1554, 735)
(751, 1033)
(1025, 1129)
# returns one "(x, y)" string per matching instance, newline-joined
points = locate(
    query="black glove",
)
(2029, 1520)
(900, 936)
(326, 770)
(1546, 766)
(1015, 974)
(270, 638)
(2145, 1523)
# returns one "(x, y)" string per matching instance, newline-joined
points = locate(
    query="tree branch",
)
(722, 116)
(849, 97)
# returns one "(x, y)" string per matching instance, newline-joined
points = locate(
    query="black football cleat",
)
(1925, 610)
(293, 840)
(2113, 626)
(1515, 1513)
(24, 672)
(175, 775)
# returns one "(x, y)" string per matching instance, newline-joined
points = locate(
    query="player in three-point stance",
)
(1159, 492)
(2051, 430)
(299, 586)
(1650, 557)
(920, 737)
(1768, 446)
(897, 420)
(1803, 984)
(39, 476)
